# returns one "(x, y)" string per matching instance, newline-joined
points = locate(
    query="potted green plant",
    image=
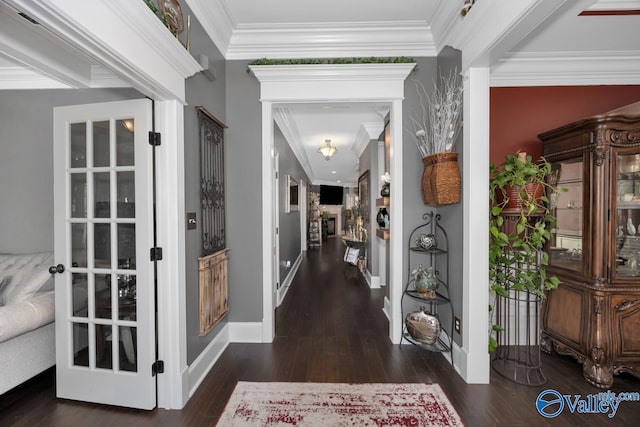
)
(520, 224)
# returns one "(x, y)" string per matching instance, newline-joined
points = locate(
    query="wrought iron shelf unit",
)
(437, 257)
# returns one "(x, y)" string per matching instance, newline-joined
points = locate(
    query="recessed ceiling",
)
(349, 126)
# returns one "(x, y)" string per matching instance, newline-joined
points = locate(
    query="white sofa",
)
(27, 311)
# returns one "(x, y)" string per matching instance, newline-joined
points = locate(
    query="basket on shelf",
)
(441, 179)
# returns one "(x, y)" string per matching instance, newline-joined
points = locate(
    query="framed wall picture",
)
(293, 191)
(363, 195)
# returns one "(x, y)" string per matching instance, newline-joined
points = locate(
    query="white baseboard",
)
(372, 281)
(282, 292)
(200, 367)
(386, 309)
(247, 332)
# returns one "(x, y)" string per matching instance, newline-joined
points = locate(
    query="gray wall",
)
(364, 165)
(369, 161)
(289, 223)
(450, 60)
(412, 166)
(243, 141)
(414, 207)
(211, 94)
(26, 162)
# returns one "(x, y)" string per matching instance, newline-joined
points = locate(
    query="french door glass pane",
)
(101, 144)
(126, 194)
(78, 149)
(79, 295)
(80, 343)
(102, 195)
(124, 142)
(79, 195)
(129, 349)
(103, 347)
(127, 297)
(127, 246)
(102, 245)
(79, 245)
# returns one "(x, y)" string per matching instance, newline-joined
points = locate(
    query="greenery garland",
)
(333, 61)
(159, 14)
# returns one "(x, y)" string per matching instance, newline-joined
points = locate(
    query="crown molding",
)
(366, 133)
(615, 5)
(16, 78)
(141, 51)
(286, 123)
(446, 22)
(335, 40)
(216, 19)
(101, 77)
(567, 69)
(349, 81)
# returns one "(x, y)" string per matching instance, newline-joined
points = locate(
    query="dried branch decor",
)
(438, 123)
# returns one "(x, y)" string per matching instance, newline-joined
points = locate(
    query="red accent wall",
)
(519, 114)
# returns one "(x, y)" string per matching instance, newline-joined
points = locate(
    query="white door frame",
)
(303, 215)
(382, 83)
(275, 226)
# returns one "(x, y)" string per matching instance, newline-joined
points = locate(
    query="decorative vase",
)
(386, 190)
(382, 218)
(426, 282)
(441, 179)
(427, 241)
(423, 327)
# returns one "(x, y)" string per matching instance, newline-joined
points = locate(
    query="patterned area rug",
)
(320, 404)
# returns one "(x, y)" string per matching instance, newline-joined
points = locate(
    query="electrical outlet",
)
(456, 324)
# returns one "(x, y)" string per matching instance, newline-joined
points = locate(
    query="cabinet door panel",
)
(563, 313)
(626, 325)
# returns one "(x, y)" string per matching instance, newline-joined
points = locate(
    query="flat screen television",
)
(331, 195)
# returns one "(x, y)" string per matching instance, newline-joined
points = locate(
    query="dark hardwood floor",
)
(330, 328)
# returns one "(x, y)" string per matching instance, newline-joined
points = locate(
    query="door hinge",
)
(157, 367)
(156, 254)
(154, 138)
(277, 176)
(277, 230)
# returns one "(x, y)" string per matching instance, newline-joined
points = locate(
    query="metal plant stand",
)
(517, 356)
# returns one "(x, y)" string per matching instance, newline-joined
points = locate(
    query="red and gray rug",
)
(321, 404)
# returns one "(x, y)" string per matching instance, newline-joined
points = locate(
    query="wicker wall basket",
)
(441, 179)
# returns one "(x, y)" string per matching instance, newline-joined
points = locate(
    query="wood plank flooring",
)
(330, 328)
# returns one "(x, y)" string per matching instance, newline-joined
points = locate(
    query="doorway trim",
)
(382, 83)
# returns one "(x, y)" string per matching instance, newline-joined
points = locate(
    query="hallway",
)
(330, 328)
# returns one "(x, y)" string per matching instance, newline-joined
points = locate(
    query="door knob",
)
(56, 269)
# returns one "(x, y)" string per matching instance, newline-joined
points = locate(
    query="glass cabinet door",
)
(627, 225)
(567, 205)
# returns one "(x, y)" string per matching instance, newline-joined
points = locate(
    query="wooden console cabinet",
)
(594, 315)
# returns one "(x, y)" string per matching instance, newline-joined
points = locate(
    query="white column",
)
(173, 385)
(268, 289)
(396, 231)
(474, 357)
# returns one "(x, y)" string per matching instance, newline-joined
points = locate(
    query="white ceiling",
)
(564, 49)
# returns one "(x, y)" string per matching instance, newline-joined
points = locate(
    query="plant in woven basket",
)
(520, 224)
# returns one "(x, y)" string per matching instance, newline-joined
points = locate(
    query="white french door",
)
(105, 323)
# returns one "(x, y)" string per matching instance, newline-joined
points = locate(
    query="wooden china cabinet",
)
(594, 315)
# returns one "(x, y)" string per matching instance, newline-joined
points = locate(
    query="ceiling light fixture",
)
(327, 150)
